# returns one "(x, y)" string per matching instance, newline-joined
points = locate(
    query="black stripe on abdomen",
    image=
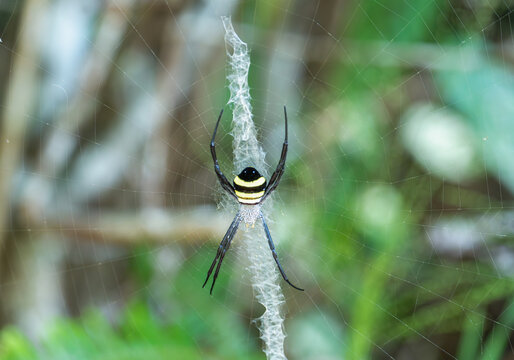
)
(250, 190)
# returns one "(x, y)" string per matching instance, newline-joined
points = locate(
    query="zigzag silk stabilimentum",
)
(247, 152)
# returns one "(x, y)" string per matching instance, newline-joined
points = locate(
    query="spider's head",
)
(249, 174)
(249, 186)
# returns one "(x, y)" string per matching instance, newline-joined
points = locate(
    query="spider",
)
(249, 189)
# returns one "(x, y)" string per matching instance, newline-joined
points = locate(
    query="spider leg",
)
(225, 184)
(275, 178)
(222, 249)
(274, 252)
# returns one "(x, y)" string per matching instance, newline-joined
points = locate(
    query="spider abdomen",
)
(249, 186)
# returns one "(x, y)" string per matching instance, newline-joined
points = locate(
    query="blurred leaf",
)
(394, 21)
(315, 335)
(471, 338)
(498, 339)
(15, 346)
(485, 95)
(441, 141)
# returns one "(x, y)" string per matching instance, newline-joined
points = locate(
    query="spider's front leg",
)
(225, 184)
(279, 171)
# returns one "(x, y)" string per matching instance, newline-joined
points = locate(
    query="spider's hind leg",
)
(222, 250)
(275, 255)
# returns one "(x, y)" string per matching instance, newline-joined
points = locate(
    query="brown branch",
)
(155, 226)
(19, 102)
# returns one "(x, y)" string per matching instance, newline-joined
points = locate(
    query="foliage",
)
(400, 256)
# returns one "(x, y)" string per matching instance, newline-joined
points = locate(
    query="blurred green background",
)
(395, 212)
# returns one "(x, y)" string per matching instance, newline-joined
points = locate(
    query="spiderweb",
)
(394, 212)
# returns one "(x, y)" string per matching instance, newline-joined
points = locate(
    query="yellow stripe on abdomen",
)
(243, 195)
(249, 184)
(249, 201)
